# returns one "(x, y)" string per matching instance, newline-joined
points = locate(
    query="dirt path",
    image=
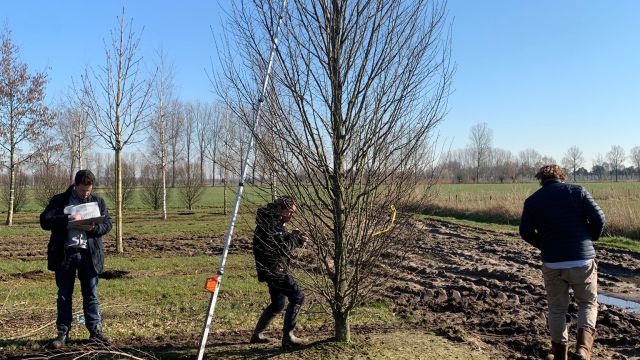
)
(485, 288)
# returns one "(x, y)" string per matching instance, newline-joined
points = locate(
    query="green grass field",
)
(502, 203)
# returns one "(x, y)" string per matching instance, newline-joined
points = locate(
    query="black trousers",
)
(283, 288)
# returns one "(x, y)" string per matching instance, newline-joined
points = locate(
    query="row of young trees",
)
(112, 106)
(481, 162)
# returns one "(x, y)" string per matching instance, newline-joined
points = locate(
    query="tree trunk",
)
(201, 169)
(164, 189)
(213, 173)
(120, 248)
(72, 167)
(12, 188)
(224, 195)
(342, 327)
(173, 171)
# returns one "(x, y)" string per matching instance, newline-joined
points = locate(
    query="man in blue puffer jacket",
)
(562, 221)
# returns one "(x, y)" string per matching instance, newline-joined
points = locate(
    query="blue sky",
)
(542, 74)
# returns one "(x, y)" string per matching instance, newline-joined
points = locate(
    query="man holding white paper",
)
(77, 220)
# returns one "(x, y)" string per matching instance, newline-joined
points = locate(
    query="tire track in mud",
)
(485, 288)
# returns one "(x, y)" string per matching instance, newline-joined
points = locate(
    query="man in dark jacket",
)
(76, 248)
(272, 248)
(562, 221)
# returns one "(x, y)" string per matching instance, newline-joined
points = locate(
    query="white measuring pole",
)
(234, 213)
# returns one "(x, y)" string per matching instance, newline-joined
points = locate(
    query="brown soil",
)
(479, 287)
(485, 287)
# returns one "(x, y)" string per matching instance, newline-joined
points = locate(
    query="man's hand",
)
(84, 227)
(302, 236)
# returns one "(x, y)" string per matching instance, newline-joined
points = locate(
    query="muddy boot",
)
(61, 339)
(584, 343)
(98, 336)
(558, 351)
(289, 340)
(258, 336)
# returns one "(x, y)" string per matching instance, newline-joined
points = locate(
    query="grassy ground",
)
(151, 298)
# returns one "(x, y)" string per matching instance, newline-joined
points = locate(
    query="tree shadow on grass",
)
(257, 351)
(40, 349)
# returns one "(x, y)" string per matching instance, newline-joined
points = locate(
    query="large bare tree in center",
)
(358, 88)
(117, 99)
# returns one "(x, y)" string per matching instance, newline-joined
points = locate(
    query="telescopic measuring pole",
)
(218, 277)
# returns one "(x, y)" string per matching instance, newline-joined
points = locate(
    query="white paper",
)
(86, 211)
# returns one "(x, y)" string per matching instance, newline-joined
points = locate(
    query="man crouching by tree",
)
(272, 248)
(76, 249)
(562, 220)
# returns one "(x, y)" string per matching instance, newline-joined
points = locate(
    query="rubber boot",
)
(258, 336)
(558, 351)
(584, 343)
(98, 336)
(289, 340)
(62, 338)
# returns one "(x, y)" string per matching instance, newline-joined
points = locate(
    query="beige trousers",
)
(584, 282)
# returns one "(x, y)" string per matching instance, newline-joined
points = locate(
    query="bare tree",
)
(23, 115)
(599, 167)
(480, 137)
(573, 160)
(19, 193)
(73, 126)
(505, 165)
(117, 99)
(153, 193)
(635, 158)
(203, 115)
(357, 90)
(49, 177)
(529, 161)
(213, 138)
(175, 129)
(616, 158)
(229, 133)
(159, 134)
(634, 155)
(191, 187)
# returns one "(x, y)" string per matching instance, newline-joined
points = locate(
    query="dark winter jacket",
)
(272, 244)
(562, 220)
(54, 219)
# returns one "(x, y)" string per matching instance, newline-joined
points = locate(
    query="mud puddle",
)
(626, 305)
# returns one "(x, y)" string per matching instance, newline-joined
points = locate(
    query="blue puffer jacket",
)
(562, 220)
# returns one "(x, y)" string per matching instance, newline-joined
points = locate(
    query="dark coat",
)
(562, 220)
(272, 245)
(54, 219)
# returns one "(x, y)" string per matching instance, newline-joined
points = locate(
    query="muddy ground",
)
(485, 287)
(479, 287)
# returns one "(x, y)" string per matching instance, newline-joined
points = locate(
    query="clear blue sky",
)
(543, 74)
